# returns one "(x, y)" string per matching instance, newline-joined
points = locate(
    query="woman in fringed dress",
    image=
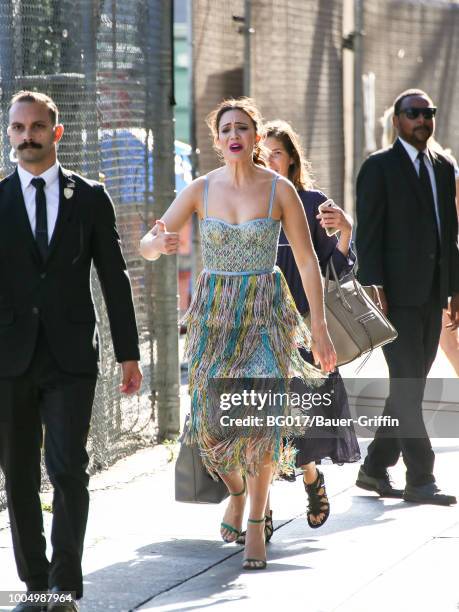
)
(242, 322)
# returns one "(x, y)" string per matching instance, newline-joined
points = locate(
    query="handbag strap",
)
(357, 287)
(330, 266)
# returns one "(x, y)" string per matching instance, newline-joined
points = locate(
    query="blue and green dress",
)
(242, 323)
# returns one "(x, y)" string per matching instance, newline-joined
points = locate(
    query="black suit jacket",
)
(396, 236)
(58, 292)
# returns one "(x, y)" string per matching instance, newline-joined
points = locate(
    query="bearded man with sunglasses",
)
(407, 245)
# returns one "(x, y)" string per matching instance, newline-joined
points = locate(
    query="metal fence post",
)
(247, 29)
(89, 23)
(164, 277)
(7, 75)
(358, 95)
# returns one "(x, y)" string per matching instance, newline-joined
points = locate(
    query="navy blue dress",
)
(338, 443)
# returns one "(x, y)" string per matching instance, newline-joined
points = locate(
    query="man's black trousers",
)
(409, 359)
(46, 405)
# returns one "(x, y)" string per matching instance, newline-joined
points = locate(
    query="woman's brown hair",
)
(247, 106)
(299, 172)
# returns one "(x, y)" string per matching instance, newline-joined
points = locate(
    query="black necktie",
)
(426, 183)
(41, 220)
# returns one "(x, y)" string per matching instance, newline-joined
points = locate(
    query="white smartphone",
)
(328, 204)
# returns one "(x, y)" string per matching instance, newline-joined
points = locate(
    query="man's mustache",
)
(29, 145)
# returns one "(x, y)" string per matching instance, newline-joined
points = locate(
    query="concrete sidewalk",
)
(144, 551)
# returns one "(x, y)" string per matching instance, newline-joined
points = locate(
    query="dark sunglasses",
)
(427, 112)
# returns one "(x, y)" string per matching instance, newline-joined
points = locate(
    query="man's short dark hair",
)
(40, 98)
(407, 94)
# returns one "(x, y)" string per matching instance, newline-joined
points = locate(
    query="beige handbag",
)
(355, 324)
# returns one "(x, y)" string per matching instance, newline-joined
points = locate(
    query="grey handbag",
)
(193, 483)
(355, 324)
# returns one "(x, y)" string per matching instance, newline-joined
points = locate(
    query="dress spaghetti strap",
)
(205, 196)
(271, 199)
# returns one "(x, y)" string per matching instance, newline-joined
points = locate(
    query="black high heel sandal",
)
(269, 530)
(317, 500)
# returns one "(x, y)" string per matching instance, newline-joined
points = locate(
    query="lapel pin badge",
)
(68, 192)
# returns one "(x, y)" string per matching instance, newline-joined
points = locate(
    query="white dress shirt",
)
(51, 178)
(413, 153)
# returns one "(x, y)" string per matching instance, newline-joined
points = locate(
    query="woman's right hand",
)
(166, 242)
(333, 216)
(158, 241)
(323, 350)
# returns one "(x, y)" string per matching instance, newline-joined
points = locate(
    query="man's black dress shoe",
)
(427, 494)
(66, 603)
(29, 607)
(68, 606)
(382, 486)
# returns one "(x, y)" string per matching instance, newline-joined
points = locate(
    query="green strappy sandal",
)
(269, 530)
(237, 532)
(254, 564)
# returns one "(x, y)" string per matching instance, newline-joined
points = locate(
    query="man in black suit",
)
(53, 225)
(407, 245)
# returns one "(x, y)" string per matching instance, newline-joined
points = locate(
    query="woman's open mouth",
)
(235, 147)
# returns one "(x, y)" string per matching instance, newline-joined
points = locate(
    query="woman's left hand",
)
(324, 351)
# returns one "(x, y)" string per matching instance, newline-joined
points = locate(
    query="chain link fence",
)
(296, 75)
(218, 64)
(413, 43)
(99, 60)
(295, 68)
(294, 61)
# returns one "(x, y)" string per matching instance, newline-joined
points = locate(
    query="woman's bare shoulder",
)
(285, 187)
(213, 174)
(195, 189)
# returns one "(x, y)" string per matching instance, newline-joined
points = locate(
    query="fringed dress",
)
(242, 324)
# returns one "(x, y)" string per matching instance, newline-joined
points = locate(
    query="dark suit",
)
(400, 247)
(48, 365)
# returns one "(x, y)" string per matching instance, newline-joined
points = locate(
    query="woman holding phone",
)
(287, 158)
